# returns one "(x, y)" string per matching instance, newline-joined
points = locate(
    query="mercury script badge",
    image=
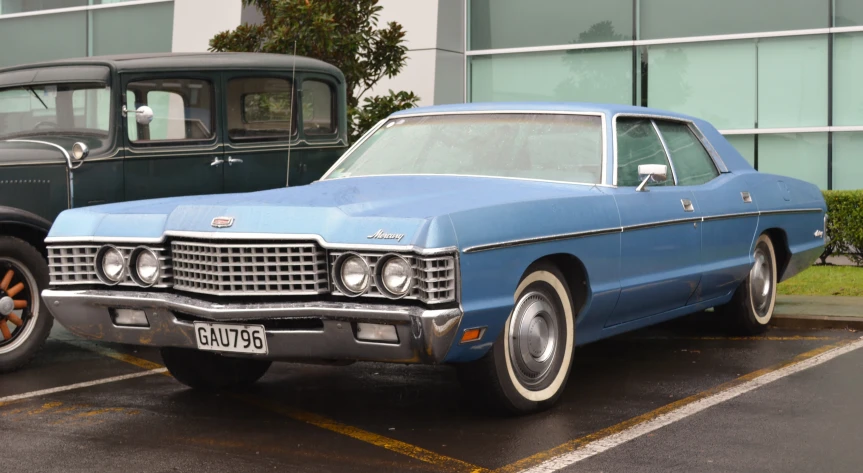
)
(381, 235)
(222, 222)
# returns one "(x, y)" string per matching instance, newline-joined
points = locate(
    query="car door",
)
(661, 232)
(730, 215)
(179, 152)
(261, 126)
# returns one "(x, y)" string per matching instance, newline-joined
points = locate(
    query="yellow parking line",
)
(443, 462)
(573, 445)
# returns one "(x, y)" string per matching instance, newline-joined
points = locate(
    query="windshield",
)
(55, 108)
(554, 147)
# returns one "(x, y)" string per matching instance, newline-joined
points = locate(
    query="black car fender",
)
(24, 225)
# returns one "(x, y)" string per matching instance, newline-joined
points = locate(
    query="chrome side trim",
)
(604, 160)
(628, 228)
(542, 239)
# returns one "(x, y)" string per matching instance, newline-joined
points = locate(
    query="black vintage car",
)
(97, 130)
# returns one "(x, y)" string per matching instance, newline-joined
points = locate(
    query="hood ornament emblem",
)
(222, 222)
(381, 235)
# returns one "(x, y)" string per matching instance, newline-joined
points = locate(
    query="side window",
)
(692, 163)
(318, 116)
(260, 108)
(638, 143)
(182, 109)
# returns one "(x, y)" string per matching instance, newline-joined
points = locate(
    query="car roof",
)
(192, 61)
(581, 107)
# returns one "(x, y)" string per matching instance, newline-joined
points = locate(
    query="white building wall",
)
(435, 42)
(197, 21)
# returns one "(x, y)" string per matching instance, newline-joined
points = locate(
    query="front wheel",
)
(210, 371)
(24, 322)
(528, 365)
(751, 308)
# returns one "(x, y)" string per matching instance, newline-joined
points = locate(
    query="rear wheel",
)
(24, 323)
(751, 308)
(527, 367)
(204, 370)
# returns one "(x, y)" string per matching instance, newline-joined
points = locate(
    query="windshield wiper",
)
(37, 97)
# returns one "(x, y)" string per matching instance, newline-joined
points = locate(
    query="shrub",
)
(844, 224)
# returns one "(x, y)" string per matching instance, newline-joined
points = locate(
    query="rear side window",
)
(638, 143)
(260, 108)
(318, 116)
(692, 164)
(182, 109)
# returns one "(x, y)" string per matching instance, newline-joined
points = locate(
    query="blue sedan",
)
(493, 237)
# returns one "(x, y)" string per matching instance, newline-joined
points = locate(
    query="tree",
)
(343, 33)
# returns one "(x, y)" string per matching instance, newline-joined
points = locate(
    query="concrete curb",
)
(801, 322)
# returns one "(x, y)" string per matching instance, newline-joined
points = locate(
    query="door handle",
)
(217, 161)
(687, 205)
(233, 160)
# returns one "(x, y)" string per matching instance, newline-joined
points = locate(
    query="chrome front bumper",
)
(425, 336)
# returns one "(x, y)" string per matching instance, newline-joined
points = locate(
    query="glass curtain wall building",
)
(780, 78)
(43, 30)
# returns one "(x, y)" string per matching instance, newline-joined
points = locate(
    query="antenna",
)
(291, 116)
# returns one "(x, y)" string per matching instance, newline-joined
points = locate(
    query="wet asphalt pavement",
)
(375, 417)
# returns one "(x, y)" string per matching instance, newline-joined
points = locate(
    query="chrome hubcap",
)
(533, 338)
(7, 305)
(761, 282)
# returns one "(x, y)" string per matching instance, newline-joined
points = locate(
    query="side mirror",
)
(144, 114)
(651, 173)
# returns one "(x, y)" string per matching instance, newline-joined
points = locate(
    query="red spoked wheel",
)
(16, 301)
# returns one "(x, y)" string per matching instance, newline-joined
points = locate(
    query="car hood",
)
(386, 210)
(40, 149)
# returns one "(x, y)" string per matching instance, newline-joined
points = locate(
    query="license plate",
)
(231, 337)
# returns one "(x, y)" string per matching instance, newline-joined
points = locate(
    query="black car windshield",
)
(555, 147)
(55, 108)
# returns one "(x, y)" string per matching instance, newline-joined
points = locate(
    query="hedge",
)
(844, 224)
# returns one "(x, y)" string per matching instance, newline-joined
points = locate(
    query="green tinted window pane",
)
(792, 82)
(23, 6)
(589, 75)
(318, 116)
(57, 36)
(847, 13)
(131, 124)
(679, 18)
(114, 31)
(692, 164)
(745, 145)
(847, 161)
(496, 24)
(847, 74)
(638, 143)
(799, 155)
(714, 81)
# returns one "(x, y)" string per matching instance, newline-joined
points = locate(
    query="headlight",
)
(147, 266)
(111, 264)
(354, 274)
(395, 276)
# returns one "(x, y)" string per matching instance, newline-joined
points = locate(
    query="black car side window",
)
(692, 164)
(637, 143)
(318, 116)
(182, 109)
(261, 108)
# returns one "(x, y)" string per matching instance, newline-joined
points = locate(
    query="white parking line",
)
(86, 384)
(601, 445)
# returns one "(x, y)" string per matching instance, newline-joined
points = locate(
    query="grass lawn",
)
(825, 281)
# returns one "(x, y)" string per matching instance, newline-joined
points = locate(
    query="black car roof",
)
(193, 61)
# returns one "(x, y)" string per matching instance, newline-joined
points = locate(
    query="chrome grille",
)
(433, 277)
(72, 264)
(249, 269)
(76, 264)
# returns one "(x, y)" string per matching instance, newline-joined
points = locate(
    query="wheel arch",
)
(24, 225)
(780, 246)
(574, 273)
